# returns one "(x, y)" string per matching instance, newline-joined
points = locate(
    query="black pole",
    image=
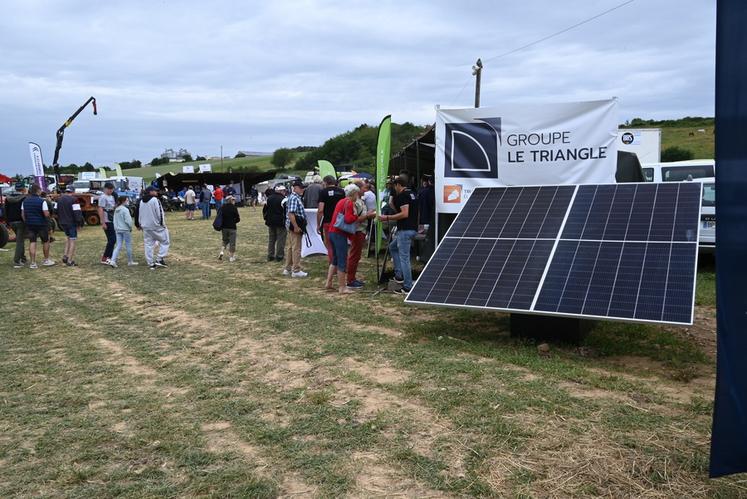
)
(477, 73)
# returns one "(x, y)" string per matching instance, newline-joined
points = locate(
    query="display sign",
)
(37, 164)
(523, 144)
(188, 169)
(207, 167)
(644, 142)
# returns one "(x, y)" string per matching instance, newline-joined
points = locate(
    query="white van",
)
(707, 239)
(677, 171)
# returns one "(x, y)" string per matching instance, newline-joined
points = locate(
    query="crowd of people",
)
(29, 213)
(344, 220)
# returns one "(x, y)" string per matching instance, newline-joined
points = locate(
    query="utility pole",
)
(477, 73)
(221, 158)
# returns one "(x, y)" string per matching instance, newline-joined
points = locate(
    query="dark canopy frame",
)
(178, 180)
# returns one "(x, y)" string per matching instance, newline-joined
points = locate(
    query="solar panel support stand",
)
(550, 328)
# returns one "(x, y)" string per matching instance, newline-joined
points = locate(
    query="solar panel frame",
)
(692, 240)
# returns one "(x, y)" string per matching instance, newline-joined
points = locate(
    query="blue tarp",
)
(729, 438)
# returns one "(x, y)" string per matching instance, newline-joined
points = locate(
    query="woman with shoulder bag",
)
(342, 228)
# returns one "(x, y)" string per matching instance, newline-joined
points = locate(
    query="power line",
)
(553, 35)
(559, 32)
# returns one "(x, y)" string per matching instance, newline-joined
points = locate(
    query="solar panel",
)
(619, 251)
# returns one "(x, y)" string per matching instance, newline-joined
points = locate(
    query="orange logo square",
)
(453, 193)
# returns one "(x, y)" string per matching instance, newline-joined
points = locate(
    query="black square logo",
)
(471, 149)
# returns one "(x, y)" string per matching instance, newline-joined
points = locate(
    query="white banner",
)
(206, 168)
(37, 164)
(523, 144)
(188, 169)
(317, 245)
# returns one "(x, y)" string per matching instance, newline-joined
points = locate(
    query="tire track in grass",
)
(151, 381)
(276, 368)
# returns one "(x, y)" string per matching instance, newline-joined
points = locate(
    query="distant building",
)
(174, 156)
(255, 153)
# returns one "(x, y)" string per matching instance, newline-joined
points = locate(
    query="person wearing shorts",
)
(189, 203)
(35, 213)
(69, 217)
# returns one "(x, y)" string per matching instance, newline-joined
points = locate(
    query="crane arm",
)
(61, 135)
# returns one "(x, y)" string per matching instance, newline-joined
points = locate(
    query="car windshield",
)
(679, 173)
(709, 195)
(81, 184)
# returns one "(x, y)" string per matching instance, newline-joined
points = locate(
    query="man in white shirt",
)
(189, 203)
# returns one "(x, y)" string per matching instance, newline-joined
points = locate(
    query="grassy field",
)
(701, 144)
(261, 163)
(229, 380)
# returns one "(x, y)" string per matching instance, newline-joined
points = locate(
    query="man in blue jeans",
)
(406, 207)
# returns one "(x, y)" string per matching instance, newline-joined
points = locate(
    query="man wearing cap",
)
(295, 222)
(107, 203)
(13, 203)
(70, 217)
(149, 218)
(273, 213)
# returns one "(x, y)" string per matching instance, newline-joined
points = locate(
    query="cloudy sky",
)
(262, 75)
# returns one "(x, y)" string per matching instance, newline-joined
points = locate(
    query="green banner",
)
(326, 168)
(383, 150)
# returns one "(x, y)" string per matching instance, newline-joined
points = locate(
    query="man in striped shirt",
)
(295, 222)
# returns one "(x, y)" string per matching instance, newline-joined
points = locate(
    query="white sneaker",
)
(132, 264)
(286, 272)
(232, 259)
(33, 266)
(48, 263)
(220, 257)
(300, 273)
(113, 264)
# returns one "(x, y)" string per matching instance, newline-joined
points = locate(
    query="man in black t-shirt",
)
(328, 198)
(406, 206)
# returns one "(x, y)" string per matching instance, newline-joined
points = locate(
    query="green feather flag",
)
(383, 150)
(326, 168)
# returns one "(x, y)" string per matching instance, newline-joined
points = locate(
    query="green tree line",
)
(356, 149)
(686, 122)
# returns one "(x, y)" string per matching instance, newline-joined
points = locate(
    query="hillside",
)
(260, 163)
(683, 133)
(356, 149)
(701, 144)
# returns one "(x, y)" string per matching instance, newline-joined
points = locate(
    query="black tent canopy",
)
(418, 157)
(177, 180)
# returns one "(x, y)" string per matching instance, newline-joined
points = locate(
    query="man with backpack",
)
(13, 203)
